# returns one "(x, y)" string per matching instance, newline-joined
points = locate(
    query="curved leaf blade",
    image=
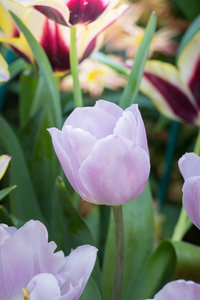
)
(45, 71)
(23, 200)
(130, 93)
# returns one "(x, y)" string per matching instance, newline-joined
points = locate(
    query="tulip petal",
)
(6, 22)
(179, 290)
(131, 126)
(73, 141)
(53, 9)
(66, 148)
(78, 267)
(89, 42)
(110, 107)
(64, 159)
(163, 84)
(115, 172)
(44, 286)
(6, 232)
(4, 73)
(15, 259)
(4, 161)
(54, 38)
(189, 65)
(189, 165)
(10, 34)
(35, 237)
(90, 118)
(191, 199)
(84, 12)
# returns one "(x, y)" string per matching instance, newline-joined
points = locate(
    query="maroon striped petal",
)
(52, 14)
(194, 83)
(85, 11)
(189, 65)
(177, 100)
(163, 84)
(54, 44)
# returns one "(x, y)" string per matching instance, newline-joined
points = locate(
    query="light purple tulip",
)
(179, 290)
(103, 151)
(189, 165)
(29, 265)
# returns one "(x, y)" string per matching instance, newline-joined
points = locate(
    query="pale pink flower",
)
(103, 151)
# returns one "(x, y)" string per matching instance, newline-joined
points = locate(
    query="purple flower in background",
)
(31, 270)
(189, 165)
(179, 290)
(104, 154)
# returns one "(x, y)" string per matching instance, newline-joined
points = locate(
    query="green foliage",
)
(23, 200)
(192, 30)
(191, 9)
(6, 191)
(45, 71)
(132, 88)
(139, 238)
(70, 231)
(169, 261)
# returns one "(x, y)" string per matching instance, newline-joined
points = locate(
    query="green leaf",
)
(17, 67)
(5, 217)
(68, 228)
(23, 201)
(44, 165)
(138, 244)
(91, 291)
(28, 86)
(191, 9)
(36, 141)
(170, 261)
(103, 58)
(5, 192)
(46, 71)
(132, 88)
(192, 30)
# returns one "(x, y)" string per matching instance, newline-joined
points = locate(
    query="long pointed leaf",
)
(45, 71)
(6, 191)
(169, 261)
(132, 88)
(24, 203)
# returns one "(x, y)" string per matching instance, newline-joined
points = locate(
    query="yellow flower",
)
(94, 77)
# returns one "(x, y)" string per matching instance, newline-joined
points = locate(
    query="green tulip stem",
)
(119, 253)
(197, 144)
(74, 68)
(184, 223)
(182, 226)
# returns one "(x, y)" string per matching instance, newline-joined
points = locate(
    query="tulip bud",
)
(189, 165)
(104, 154)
